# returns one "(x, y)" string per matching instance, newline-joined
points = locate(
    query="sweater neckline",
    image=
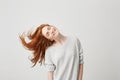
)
(61, 45)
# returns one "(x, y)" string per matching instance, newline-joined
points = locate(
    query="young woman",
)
(61, 55)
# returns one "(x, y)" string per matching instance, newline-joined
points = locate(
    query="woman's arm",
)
(50, 75)
(80, 72)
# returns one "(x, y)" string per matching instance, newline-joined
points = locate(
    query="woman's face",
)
(50, 32)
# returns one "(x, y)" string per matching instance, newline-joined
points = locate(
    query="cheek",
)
(50, 37)
(56, 33)
(46, 36)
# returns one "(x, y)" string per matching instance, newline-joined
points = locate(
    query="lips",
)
(54, 33)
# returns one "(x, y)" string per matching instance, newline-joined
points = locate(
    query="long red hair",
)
(38, 44)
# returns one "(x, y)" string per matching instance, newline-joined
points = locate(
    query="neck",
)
(60, 39)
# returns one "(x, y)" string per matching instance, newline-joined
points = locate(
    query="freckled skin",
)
(50, 32)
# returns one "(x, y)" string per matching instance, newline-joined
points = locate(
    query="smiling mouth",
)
(54, 29)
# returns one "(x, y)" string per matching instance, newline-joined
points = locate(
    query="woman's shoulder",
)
(73, 37)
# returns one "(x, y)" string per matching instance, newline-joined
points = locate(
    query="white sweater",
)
(64, 59)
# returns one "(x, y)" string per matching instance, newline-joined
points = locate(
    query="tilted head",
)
(50, 32)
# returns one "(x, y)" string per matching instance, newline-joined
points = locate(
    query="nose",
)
(52, 30)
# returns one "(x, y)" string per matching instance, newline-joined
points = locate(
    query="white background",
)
(95, 22)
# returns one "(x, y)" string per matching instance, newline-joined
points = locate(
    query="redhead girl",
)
(61, 55)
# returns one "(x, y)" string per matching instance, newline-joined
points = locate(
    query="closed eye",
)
(48, 28)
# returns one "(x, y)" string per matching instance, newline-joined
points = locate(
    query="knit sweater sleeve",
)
(80, 51)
